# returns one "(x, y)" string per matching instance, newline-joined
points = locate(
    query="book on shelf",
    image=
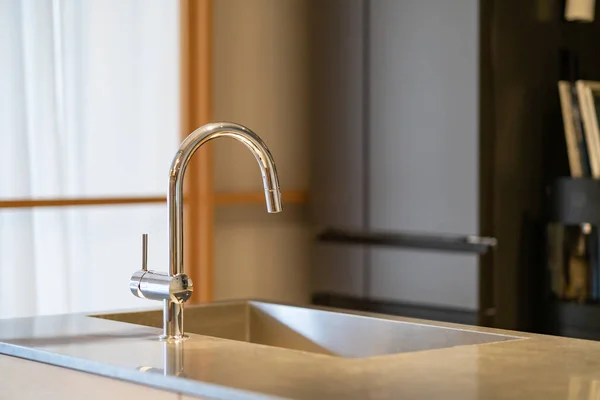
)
(588, 100)
(579, 147)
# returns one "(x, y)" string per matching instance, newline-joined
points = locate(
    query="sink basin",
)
(314, 330)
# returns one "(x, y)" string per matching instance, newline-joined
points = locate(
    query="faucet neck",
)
(178, 167)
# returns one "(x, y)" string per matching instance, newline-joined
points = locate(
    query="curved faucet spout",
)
(187, 149)
(175, 288)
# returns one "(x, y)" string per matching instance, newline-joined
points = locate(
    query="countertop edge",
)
(170, 383)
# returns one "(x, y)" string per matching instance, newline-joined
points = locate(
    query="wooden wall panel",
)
(196, 18)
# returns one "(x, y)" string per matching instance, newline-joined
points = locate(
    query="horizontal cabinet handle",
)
(405, 240)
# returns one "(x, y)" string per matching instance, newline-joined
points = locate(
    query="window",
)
(89, 109)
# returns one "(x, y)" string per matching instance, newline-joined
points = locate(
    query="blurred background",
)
(436, 117)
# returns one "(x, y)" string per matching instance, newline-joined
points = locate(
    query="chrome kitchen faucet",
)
(175, 288)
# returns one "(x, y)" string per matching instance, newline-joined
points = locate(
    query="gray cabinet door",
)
(337, 139)
(423, 144)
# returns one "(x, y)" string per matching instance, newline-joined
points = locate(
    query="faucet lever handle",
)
(145, 252)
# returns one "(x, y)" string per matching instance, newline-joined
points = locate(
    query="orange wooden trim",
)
(289, 197)
(196, 62)
(100, 201)
(226, 198)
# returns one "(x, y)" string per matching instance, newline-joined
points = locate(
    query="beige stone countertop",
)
(532, 367)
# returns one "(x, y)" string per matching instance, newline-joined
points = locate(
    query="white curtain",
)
(89, 106)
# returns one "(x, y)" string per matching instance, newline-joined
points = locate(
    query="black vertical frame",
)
(366, 104)
(487, 300)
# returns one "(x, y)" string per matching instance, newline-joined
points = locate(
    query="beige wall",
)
(261, 81)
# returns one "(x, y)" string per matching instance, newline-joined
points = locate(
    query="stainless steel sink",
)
(313, 330)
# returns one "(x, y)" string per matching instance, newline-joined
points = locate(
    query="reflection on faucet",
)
(172, 360)
(175, 288)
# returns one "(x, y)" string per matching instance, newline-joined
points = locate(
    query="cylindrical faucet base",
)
(173, 321)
